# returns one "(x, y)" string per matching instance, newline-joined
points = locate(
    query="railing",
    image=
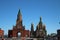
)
(20, 39)
(23, 38)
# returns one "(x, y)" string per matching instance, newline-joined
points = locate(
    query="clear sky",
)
(31, 11)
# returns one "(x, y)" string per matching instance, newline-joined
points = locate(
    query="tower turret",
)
(32, 27)
(32, 30)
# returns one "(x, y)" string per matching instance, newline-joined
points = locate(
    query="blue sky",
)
(31, 11)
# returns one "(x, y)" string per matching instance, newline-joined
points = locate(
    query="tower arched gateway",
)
(19, 28)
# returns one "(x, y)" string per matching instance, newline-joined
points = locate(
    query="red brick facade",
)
(1, 33)
(14, 33)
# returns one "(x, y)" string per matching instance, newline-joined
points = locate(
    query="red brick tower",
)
(19, 28)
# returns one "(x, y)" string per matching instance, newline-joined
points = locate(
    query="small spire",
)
(40, 20)
(32, 27)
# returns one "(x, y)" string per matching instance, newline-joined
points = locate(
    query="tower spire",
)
(19, 13)
(19, 16)
(32, 30)
(32, 27)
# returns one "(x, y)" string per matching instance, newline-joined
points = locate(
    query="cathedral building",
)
(40, 31)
